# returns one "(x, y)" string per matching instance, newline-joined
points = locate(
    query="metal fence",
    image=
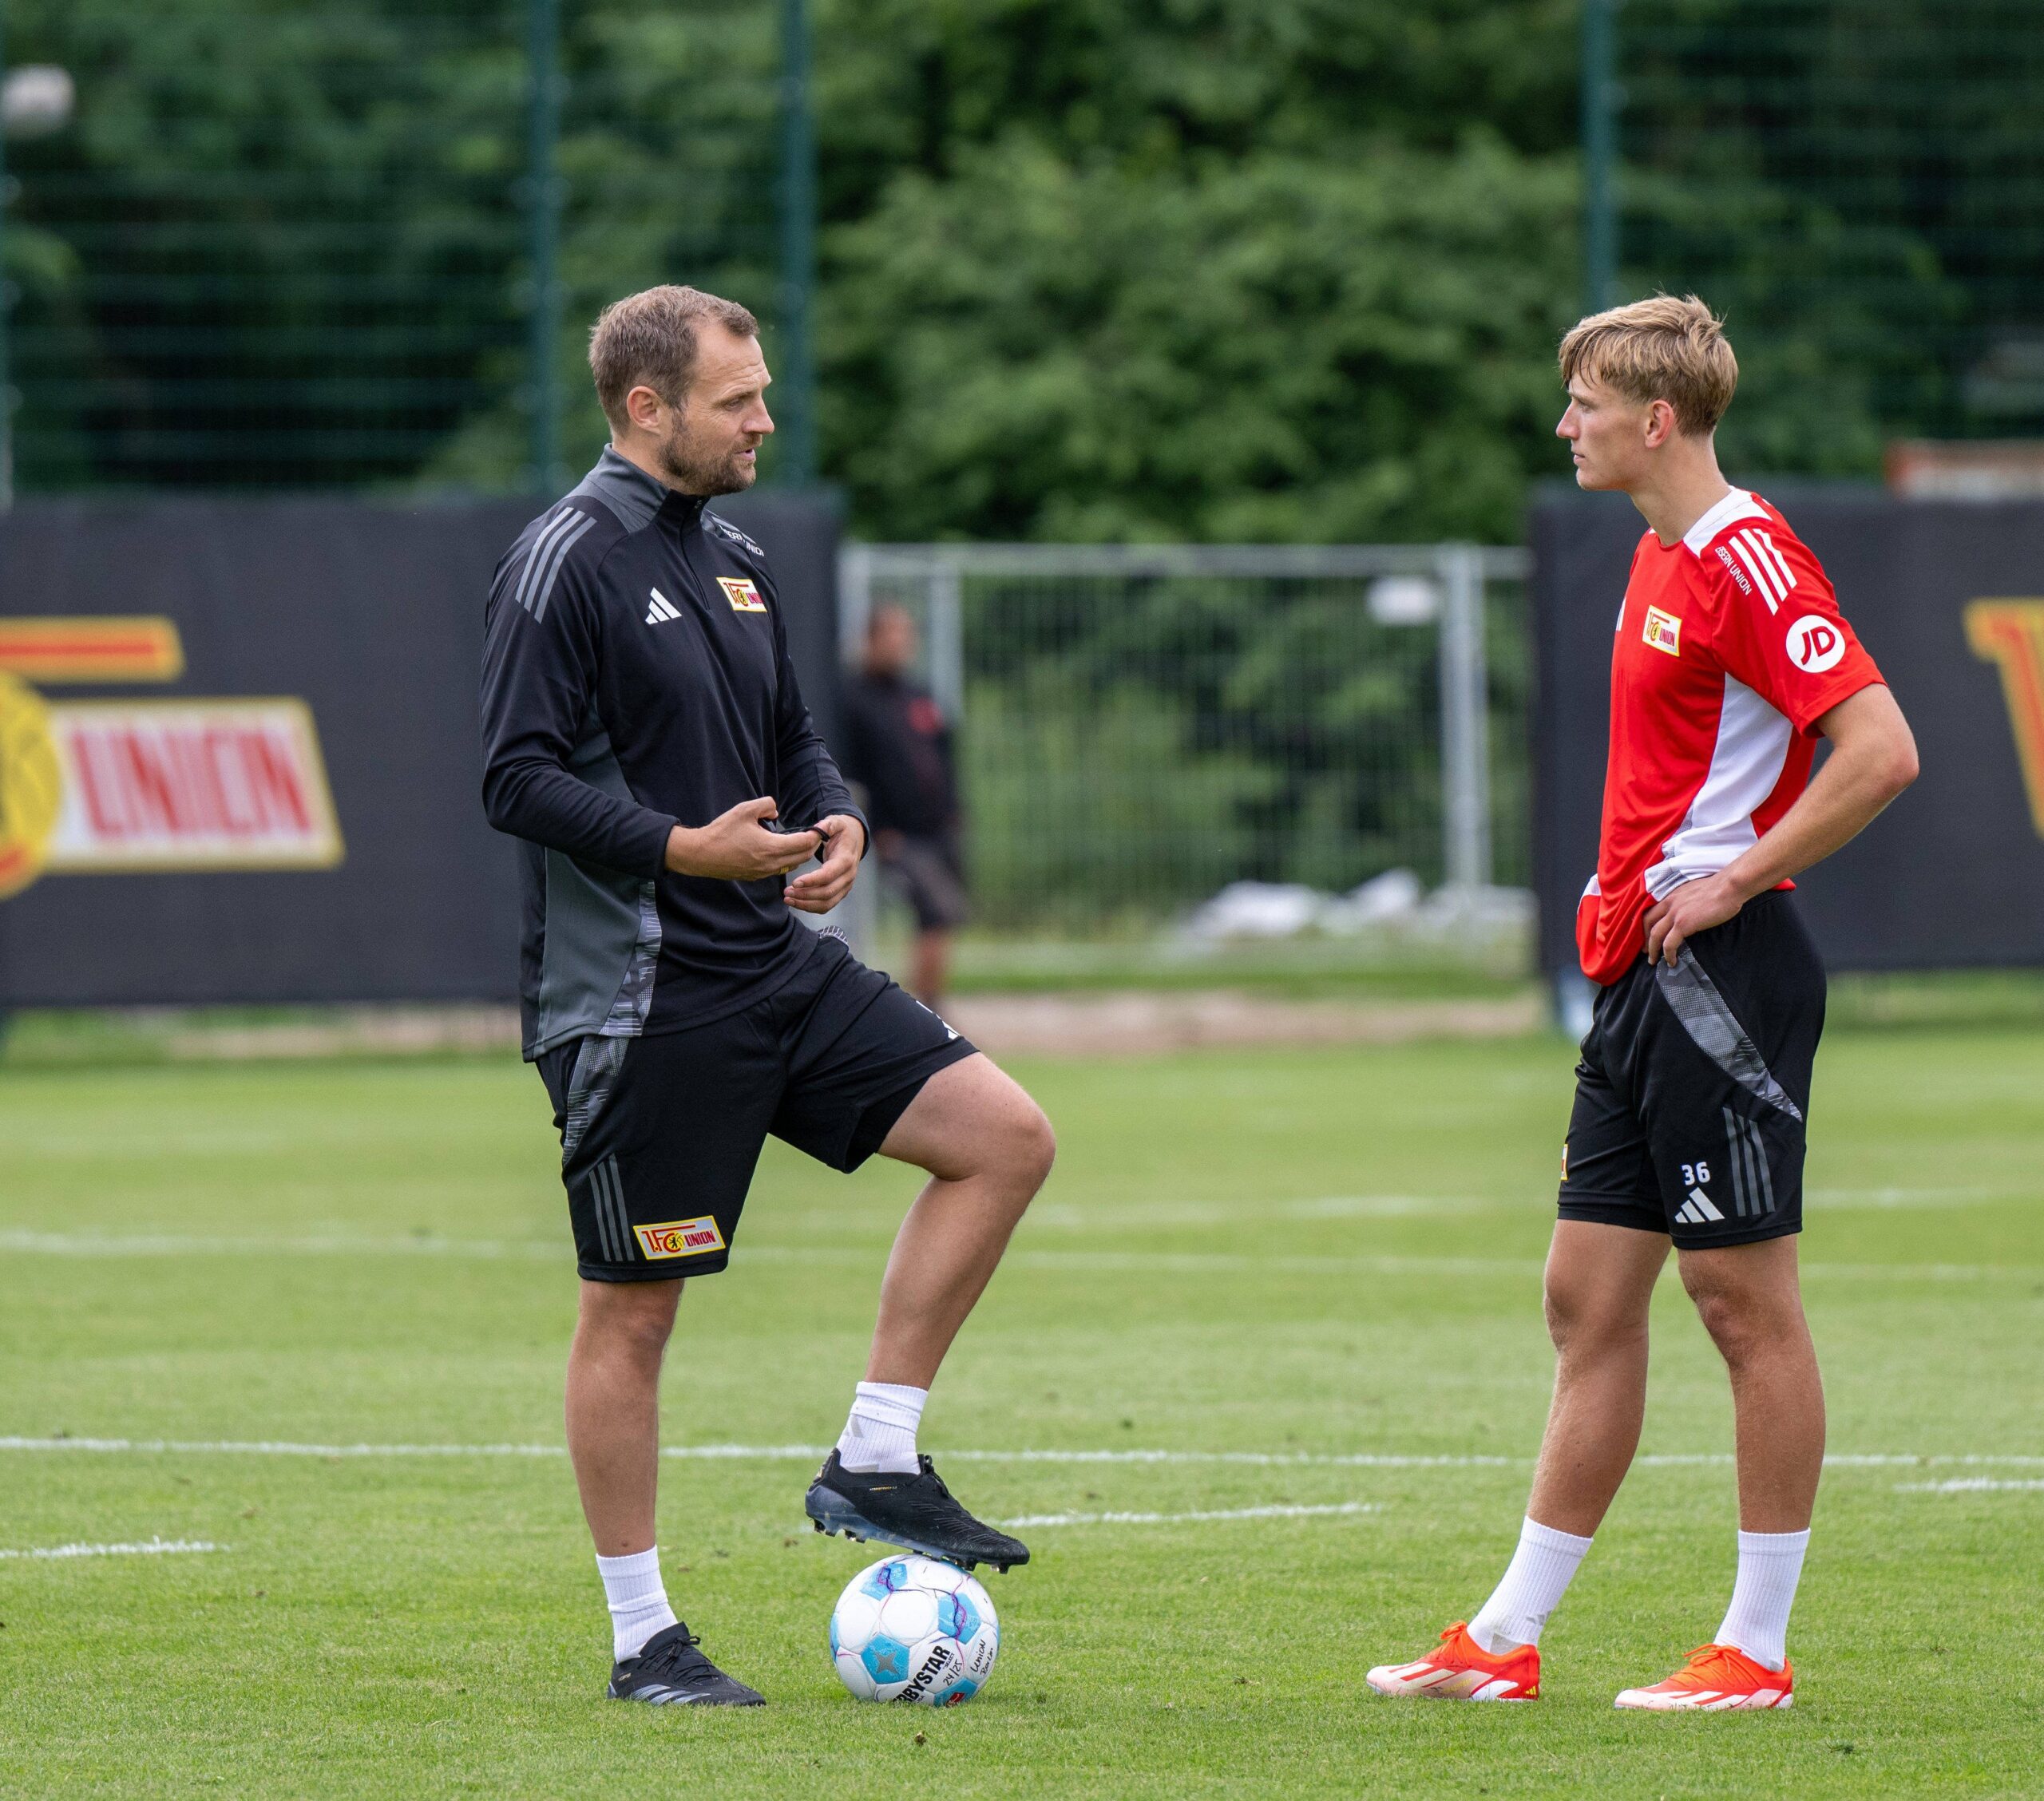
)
(1858, 184)
(1142, 725)
(340, 243)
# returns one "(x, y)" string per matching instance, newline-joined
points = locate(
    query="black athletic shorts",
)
(1694, 1085)
(660, 1135)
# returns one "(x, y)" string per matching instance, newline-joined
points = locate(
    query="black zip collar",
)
(636, 497)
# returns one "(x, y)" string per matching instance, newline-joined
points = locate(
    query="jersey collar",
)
(630, 493)
(1735, 505)
(635, 496)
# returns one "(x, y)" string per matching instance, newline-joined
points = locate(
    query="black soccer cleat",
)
(915, 1512)
(671, 1671)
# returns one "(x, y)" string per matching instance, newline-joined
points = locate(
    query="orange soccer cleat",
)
(1462, 1670)
(1716, 1679)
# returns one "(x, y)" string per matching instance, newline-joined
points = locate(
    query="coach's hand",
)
(1694, 907)
(822, 889)
(736, 846)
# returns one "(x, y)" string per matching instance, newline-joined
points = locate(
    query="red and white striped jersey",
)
(1730, 645)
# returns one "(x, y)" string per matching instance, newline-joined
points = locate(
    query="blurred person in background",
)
(898, 745)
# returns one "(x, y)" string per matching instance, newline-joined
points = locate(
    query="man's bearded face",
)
(701, 455)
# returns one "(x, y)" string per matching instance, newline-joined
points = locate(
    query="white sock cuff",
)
(1774, 1544)
(894, 1404)
(1548, 1538)
(628, 1578)
(1757, 1622)
(1542, 1567)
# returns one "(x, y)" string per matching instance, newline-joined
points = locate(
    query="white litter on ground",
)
(1275, 1512)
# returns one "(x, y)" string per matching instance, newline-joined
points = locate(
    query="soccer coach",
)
(644, 736)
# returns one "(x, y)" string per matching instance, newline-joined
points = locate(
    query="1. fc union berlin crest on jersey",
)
(112, 787)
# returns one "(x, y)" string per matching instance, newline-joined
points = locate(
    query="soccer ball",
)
(910, 1629)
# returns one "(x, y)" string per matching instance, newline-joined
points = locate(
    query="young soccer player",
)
(1693, 1087)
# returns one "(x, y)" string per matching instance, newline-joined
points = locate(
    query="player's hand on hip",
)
(1694, 907)
(736, 846)
(820, 889)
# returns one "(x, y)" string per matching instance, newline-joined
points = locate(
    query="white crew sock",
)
(1533, 1582)
(638, 1600)
(1770, 1565)
(881, 1433)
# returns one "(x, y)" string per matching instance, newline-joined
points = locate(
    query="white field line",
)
(148, 1547)
(157, 1245)
(1342, 1507)
(1068, 1216)
(168, 1243)
(1970, 1485)
(281, 1448)
(1886, 1197)
(806, 1453)
(1059, 1216)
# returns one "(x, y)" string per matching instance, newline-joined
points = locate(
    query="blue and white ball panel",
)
(884, 1579)
(917, 1630)
(887, 1662)
(852, 1672)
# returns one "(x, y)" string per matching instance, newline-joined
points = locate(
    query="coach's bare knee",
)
(1015, 1149)
(630, 1320)
(1031, 1145)
(972, 1122)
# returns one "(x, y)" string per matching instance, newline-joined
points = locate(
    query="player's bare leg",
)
(987, 1149)
(614, 1441)
(614, 1408)
(1599, 1286)
(1598, 1290)
(1751, 1302)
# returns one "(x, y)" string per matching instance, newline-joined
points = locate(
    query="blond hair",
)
(648, 340)
(1661, 349)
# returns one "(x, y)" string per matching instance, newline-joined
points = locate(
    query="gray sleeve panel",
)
(603, 931)
(592, 924)
(1708, 1018)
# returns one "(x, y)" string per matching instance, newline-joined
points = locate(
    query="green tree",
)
(1193, 268)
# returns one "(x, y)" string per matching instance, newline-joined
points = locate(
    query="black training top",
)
(898, 743)
(635, 676)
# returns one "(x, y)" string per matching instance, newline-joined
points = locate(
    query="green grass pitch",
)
(1308, 1255)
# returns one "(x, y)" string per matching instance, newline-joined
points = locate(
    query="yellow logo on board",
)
(2009, 633)
(31, 785)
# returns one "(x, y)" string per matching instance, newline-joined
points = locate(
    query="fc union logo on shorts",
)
(678, 1238)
